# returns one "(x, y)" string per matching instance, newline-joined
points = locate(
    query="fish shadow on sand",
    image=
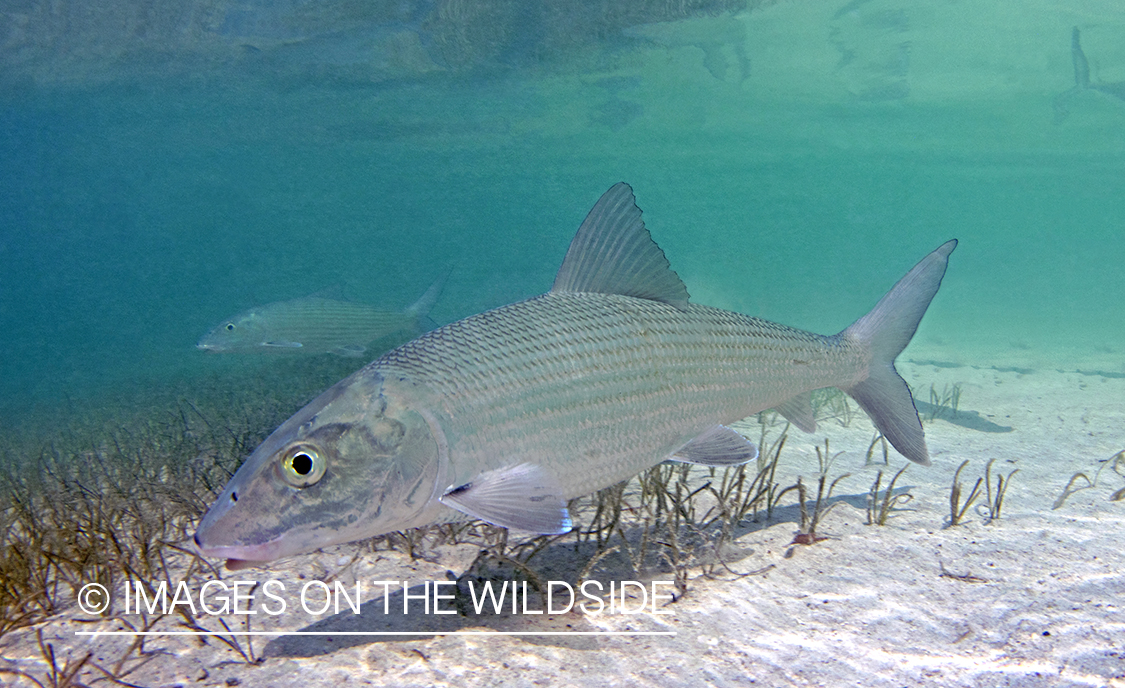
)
(561, 561)
(385, 614)
(372, 619)
(972, 420)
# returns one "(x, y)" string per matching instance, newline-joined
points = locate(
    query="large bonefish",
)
(506, 415)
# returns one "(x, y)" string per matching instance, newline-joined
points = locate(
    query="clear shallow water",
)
(792, 161)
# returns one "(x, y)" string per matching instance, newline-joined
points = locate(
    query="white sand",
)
(1038, 604)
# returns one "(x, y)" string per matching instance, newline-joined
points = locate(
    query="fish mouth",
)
(241, 556)
(209, 347)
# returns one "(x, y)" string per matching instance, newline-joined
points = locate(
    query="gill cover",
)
(356, 462)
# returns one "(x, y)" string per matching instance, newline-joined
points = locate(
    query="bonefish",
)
(506, 415)
(317, 325)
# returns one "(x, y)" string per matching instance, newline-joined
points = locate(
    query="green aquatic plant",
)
(735, 498)
(1115, 463)
(806, 530)
(658, 518)
(877, 515)
(227, 637)
(57, 677)
(824, 459)
(1071, 489)
(877, 439)
(1118, 460)
(956, 509)
(831, 403)
(674, 551)
(995, 501)
(745, 496)
(945, 402)
(97, 505)
(682, 516)
(768, 486)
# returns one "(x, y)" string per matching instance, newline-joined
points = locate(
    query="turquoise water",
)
(793, 161)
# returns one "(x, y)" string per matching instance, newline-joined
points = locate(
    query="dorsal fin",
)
(613, 253)
(425, 303)
(333, 292)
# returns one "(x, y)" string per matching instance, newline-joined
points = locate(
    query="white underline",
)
(373, 633)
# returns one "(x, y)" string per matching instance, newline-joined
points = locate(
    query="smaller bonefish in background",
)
(317, 325)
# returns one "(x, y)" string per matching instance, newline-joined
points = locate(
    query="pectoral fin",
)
(280, 344)
(524, 497)
(717, 446)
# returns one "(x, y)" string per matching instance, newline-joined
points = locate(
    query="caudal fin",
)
(886, 331)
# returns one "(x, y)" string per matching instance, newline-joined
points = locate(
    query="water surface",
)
(793, 161)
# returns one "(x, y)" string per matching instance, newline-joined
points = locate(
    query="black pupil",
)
(230, 326)
(302, 464)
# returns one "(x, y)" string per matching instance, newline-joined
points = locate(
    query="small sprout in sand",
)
(1115, 463)
(1071, 489)
(945, 401)
(877, 439)
(1118, 460)
(878, 515)
(824, 459)
(965, 577)
(57, 677)
(772, 488)
(806, 533)
(995, 501)
(831, 403)
(191, 622)
(956, 510)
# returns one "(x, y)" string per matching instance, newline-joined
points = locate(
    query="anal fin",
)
(523, 497)
(717, 446)
(799, 412)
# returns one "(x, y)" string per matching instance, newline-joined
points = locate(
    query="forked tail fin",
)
(886, 331)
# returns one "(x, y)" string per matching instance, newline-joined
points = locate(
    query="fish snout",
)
(266, 551)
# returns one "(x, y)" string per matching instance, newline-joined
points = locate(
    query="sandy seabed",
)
(1031, 599)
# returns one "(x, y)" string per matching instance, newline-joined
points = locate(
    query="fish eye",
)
(302, 465)
(230, 327)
